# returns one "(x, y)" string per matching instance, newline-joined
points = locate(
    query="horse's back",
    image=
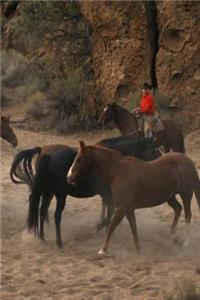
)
(131, 145)
(48, 149)
(174, 136)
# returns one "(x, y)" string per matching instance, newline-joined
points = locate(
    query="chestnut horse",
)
(7, 132)
(171, 138)
(52, 165)
(138, 184)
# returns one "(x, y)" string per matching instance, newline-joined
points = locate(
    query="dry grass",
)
(184, 290)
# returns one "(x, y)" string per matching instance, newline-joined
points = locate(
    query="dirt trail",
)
(33, 270)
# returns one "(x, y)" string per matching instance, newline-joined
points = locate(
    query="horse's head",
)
(7, 132)
(80, 165)
(108, 114)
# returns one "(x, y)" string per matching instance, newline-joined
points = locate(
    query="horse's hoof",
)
(101, 252)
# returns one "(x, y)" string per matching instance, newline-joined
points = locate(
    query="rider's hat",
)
(147, 86)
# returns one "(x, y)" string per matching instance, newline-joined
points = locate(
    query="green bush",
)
(38, 17)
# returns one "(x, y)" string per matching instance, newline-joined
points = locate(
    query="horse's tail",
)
(39, 184)
(197, 188)
(182, 144)
(21, 171)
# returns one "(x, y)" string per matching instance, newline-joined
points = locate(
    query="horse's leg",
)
(116, 219)
(132, 222)
(187, 197)
(46, 200)
(103, 211)
(61, 200)
(107, 203)
(173, 203)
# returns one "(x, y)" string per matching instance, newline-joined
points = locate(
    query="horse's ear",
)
(82, 145)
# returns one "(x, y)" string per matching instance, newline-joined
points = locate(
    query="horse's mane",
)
(118, 139)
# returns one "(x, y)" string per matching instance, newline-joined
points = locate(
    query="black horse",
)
(50, 179)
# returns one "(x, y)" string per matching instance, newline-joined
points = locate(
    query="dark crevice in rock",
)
(153, 35)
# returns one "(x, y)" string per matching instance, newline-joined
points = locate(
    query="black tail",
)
(197, 188)
(21, 171)
(41, 178)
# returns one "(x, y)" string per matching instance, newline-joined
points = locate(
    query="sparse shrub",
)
(14, 68)
(36, 17)
(184, 290)
(57, 63)
(68, 95)
(68, 102)
(36, 105)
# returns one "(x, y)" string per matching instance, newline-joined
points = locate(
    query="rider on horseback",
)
(148, 111)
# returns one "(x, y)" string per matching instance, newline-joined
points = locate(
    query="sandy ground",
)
(34, 270)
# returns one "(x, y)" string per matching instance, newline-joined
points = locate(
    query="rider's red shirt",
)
(147, 104)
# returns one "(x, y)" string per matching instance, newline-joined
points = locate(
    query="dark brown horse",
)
(137, 184)
(52, 165)
(171, 138)
(7, 132)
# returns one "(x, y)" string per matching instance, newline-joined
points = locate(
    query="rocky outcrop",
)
(119, 47)
(136, 41)
(178, 59)
(121, 44)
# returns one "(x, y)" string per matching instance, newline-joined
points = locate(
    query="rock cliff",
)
(130, 42)
(135, 41)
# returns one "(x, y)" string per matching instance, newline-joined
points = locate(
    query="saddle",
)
(158, 124)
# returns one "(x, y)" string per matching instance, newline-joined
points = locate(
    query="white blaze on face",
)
(105, 109)
(69, 174)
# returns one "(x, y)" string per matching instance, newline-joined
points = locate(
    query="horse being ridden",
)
(138, 184)
(171, 137)
(52, 165)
